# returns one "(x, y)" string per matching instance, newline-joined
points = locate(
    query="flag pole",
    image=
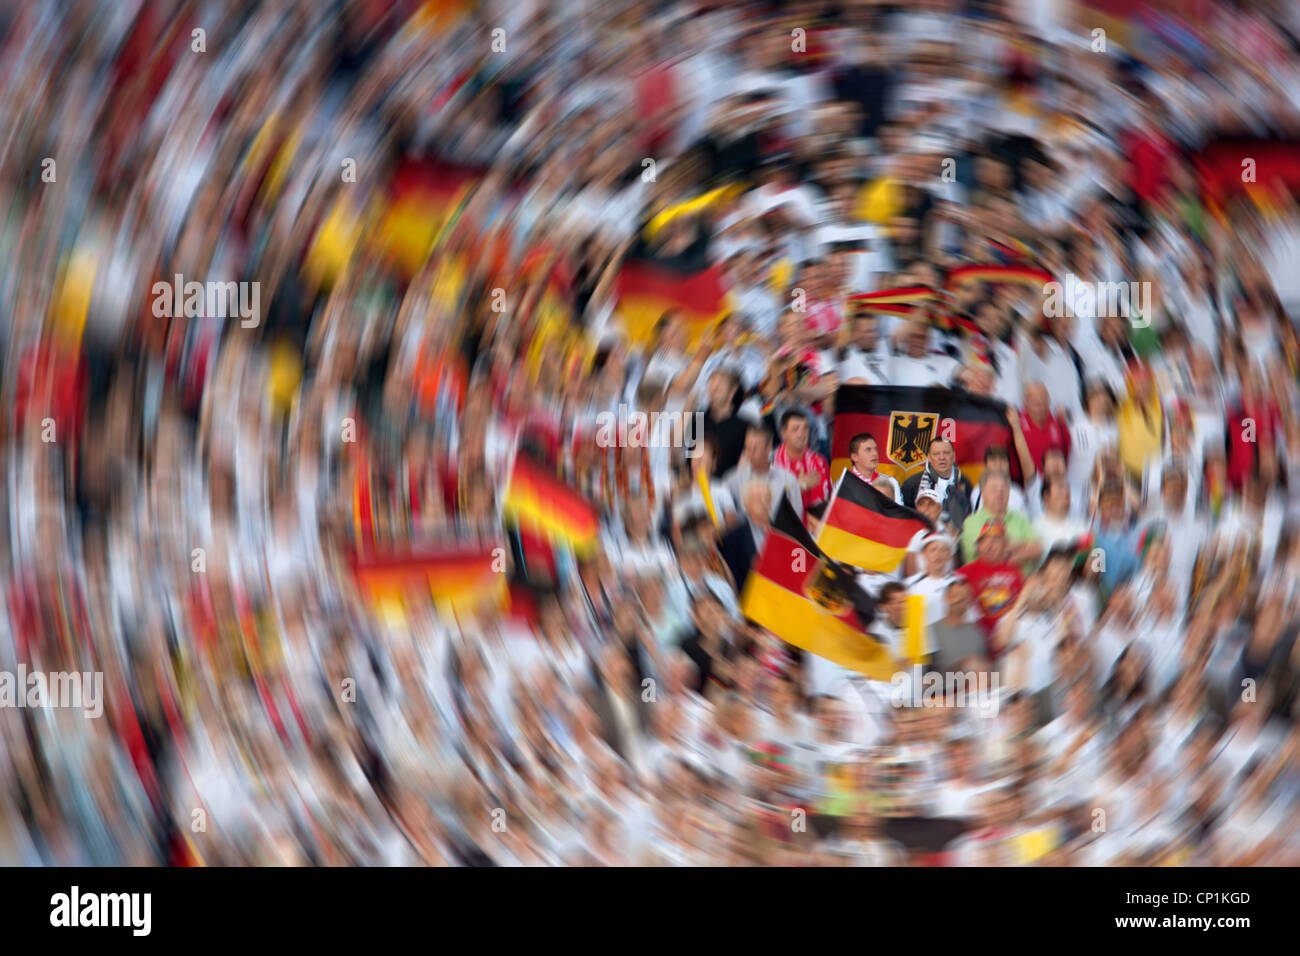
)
(835, 493)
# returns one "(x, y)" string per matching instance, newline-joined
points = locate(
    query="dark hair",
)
(731, 374)
(1062, 552)
(792, 414)
(994, 451)
(1099, 385)
(1111, 691)
(1110, 489)
(858, 440)
(665, 320)
(890, 589)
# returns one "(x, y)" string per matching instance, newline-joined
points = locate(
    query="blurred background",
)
(326, 326)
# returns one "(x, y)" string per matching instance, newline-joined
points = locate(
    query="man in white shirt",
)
(1056, 525)
(865, 361)
(915, 363)
(933, 580)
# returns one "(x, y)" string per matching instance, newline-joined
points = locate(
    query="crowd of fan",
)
(182, 491)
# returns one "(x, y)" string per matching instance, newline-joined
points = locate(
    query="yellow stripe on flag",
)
(859, 552)
(784, 613)
(530, 511)
(702, 479)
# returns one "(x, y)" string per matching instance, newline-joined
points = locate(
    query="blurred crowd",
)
(187, 495)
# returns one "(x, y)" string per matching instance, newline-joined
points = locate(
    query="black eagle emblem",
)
(829, 588)
(910, 434)
(834, 588)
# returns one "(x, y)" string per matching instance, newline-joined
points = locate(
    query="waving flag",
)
(464, 574)
(1009, 275)
(902, 295)
(424, 199)
(545, 506)
(646, 290)
(808, 600)
(866, 529)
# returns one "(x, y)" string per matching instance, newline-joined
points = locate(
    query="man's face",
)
(866, 457)
(941, 457)
(893, 609)
(929, 507)
(1053, 463)
(720, 389)
(1055, 578)
(795, 435)
(864, 331)
(989, 319)
(1036, 401)
(837, 271)
(1058, 497)
(980, 380)
(996, 495)
(758, 449)
(936, 555)
(833, 716)
(916, 340)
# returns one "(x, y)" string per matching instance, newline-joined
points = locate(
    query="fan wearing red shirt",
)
(1245, 445)
(794, 455)
(995, 581)
(1149, 151)
(1042, 429)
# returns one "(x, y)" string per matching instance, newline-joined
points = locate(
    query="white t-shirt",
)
(935, 591)
(1053, 531)
(935, 369)
(1035, 636)
(1087, 440)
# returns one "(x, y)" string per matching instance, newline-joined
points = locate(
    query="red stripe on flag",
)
(851, 517)
(777, 562)
(699, 294)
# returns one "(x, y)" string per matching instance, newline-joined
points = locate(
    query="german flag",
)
(808, 600)
(901, 309)
(899, 296)
(543, 505)
(1006, 275)
(866, 529)
(905, 420)
(646, 290)
(464, 574)
(1276, 171)
(424, 199)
